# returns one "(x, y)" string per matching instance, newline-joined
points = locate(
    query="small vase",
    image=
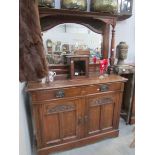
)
(121, 52)
(74, 4)
(104, 6)
(94, 59)
(48, 3)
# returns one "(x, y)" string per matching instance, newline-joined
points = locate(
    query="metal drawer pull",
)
(104, 88)
(60, 94)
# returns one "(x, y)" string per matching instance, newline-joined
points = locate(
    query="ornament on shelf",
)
(74, 4)
(121, 52)
(48, 3)
(94, 59)
(103, 66)
(49, 78)
(104, 6)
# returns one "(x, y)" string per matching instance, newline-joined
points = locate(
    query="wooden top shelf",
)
(44, 11)
(33, 86)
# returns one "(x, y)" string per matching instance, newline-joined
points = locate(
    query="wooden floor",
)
(113, 146)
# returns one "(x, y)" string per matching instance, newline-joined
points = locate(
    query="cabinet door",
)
(60, 121)
(101, 113)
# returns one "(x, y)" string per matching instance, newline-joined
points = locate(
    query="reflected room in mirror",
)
(71, 39)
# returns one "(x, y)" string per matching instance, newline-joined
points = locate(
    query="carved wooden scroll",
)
(60, 108)
(49, 22)
(100, 101)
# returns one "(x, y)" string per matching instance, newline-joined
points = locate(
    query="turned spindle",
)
(112, 51)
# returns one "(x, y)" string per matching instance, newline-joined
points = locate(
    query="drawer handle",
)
(60, 94)
(104, 88)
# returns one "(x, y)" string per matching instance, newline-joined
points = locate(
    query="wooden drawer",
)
(56, 93)
(96, 88)
(74, 91)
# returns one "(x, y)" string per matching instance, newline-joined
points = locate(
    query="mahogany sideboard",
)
(73, 113)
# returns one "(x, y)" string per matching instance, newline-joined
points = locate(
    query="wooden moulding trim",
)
(123, 17)
(84, 24)
(78, 143)
(48, 11)
(73, 98)
(34, 86)
(71, 85)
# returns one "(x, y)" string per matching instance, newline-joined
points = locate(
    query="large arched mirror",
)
(71, 39)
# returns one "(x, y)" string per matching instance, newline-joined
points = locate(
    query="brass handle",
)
(104, 88)
(60, 94)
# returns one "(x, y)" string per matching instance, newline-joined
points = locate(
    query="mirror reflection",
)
(71, 39)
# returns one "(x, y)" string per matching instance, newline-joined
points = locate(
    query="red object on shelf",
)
(105, 61)
(103, 65)
(94, 59)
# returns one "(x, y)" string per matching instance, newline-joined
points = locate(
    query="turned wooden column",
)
(112, 51)
(105, 46)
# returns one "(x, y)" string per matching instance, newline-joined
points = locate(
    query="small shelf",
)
(44, 11)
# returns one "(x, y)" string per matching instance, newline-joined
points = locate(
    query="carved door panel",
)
(100, 112)
(60, 121)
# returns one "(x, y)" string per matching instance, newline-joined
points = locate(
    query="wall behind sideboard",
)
(125, 31)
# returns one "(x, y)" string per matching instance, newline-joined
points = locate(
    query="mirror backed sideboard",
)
(78, 107)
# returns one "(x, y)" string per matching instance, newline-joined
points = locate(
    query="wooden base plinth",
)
(78, 143)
